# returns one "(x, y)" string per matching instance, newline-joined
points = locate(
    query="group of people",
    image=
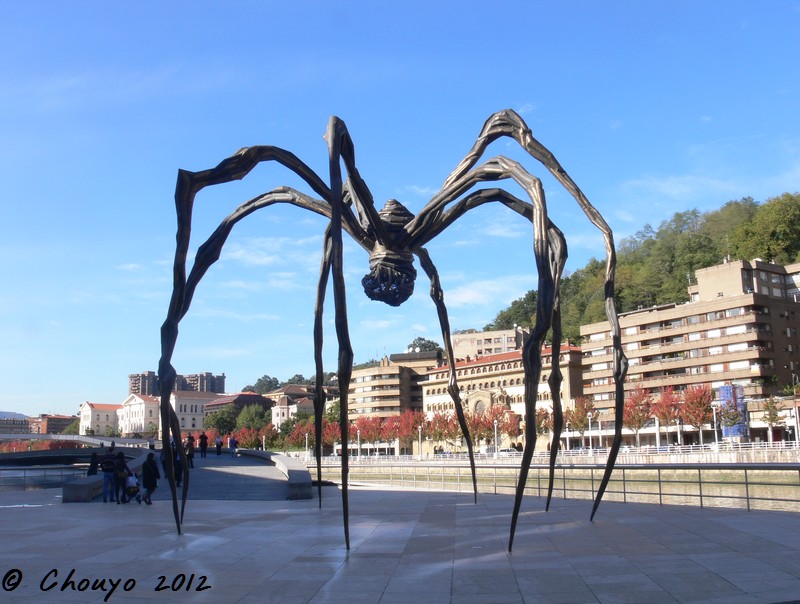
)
(120, 484)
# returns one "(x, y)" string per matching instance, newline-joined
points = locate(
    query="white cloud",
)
(527, 108)
(497, 293)
(422, 191)
(130, 266)
(679, 188)
(377, 324)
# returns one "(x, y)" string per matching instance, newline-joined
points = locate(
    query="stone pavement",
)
(406, 547)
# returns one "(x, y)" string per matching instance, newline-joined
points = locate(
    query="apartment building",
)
(393, 386)
(146, 383)
(739, 328)
(481, 343)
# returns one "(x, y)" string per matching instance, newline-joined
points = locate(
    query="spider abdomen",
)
(391, 276)
(391, 270)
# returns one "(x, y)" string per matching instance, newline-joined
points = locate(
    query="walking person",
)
(121, 473)
(150, 477)
(188, 448)
(109, 467)
(218, 444)
(203, 440)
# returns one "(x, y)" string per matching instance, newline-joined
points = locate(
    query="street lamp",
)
(589, 416)
(678, 428)
(714, 406)
(358, 433)
(495, 439)
(419, 429)
(306, 446)
(567, 436)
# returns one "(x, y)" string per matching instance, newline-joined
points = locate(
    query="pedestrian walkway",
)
(407, 547)
(226, 478)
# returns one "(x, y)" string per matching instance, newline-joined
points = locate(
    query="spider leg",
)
(319, 393)
(550, 256)
(338, 142)
(438, 299)
(558, 258)
(509, 123)
(187, 187)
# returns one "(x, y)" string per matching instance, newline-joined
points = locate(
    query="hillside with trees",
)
(655, 266)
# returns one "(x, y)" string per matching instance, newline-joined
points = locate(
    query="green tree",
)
(253, 417)
(522, 312)
(224, 420)
(73, 428)
(424, 345)
(772, 415)
(263, 385)
(773, 233)
(333, 412)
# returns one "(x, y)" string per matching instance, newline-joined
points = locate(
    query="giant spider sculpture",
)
(393, 236)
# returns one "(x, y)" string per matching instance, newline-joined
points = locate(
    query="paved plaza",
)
(244, 542)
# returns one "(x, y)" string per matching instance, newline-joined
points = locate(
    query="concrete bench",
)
(295, 471)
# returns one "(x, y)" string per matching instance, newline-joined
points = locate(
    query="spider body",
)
(393, 237)
(391, 264)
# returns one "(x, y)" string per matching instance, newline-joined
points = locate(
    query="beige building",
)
(190, 408)
(499, 379)
(391, 387)
(482, 343)
(739, 327)
(98, 418)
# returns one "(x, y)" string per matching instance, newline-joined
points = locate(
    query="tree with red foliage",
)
(666, 408)
(297, 437)
(407, 428)
(544, 421)
(578, 416)
(637, 410)
(249, 438)
(510, 425)
(370, 429)
(696, 409)
(331, 433)
(481, 428)
(438, 427)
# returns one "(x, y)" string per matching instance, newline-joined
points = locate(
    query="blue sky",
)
(652, 107)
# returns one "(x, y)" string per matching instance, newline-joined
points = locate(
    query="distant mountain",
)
(12, 415)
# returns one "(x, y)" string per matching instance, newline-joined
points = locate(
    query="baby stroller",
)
(132, 488)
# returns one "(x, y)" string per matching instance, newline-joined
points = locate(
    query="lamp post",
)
(589, 416)
(567, 436)
(419, 429)
(306, 446)
(714, 406)
(678, 428)
(358, 433)
(495, 439)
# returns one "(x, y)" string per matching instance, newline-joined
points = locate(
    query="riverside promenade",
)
(243, 541)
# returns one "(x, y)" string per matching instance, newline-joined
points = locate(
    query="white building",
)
(98, 418)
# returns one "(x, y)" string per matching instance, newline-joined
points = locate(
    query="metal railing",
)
(740, 486)
(19, 478)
